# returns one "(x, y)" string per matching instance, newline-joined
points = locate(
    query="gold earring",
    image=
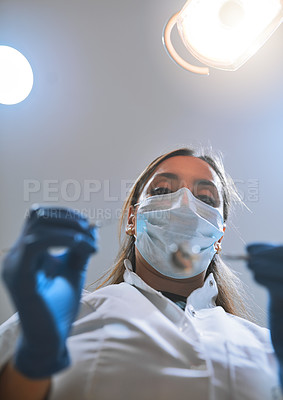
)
(218, 248)
(129, 231)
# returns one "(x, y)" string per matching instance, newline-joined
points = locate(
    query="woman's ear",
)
(131, 222)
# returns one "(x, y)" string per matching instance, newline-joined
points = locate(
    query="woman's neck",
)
(157, 281)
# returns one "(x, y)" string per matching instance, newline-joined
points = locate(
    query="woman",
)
(164, 325)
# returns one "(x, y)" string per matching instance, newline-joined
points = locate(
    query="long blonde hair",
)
(231, 293)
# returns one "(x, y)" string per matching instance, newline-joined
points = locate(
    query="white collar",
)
(203, 297)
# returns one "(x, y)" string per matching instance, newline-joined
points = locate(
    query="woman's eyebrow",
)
(175, 177)
(206, 182)
(169, 175)
(201, 182)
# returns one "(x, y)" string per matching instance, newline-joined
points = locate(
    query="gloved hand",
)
(266, 261)
(45, 287)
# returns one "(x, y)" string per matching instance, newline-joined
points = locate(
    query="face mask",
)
(167, 221)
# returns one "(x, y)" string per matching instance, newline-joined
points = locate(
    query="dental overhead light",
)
(222, 34)
(16, 76)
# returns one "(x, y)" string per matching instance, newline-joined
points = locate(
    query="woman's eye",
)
(208, 200)
(160, 190)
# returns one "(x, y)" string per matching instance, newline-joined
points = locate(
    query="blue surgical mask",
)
(167, 221)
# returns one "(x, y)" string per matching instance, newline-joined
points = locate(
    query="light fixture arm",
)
(166, 38)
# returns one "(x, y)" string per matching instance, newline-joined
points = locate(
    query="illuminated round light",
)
(16, 77)
(222, 34)
(231, 14)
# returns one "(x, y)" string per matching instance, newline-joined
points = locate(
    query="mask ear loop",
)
(134, 235)
(167, 43)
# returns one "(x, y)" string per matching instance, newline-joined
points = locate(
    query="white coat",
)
(130, 342)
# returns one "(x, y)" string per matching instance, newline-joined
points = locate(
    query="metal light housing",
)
(223, 34)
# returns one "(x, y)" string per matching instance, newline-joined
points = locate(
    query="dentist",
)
(151, 329)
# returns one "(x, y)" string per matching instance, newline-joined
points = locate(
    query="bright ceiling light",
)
(223, 34)
(16, 77)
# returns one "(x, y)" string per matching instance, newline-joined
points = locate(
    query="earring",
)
(218, 248)
(130, 231)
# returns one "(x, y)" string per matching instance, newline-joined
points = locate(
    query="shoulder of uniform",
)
(260, 333)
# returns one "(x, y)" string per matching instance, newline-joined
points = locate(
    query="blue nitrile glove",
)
(45, 287)
(266, 261)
